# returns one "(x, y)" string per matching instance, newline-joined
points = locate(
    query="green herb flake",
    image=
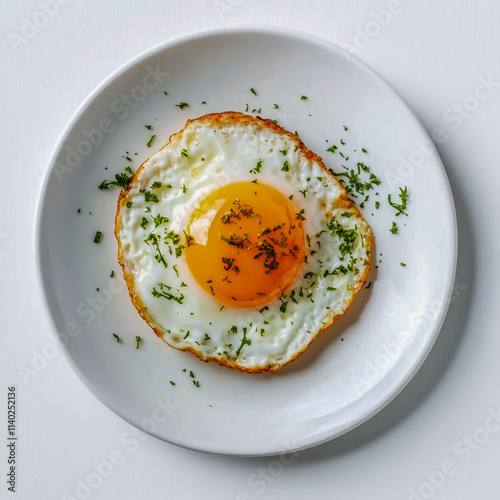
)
(148, 127)
(252, 90)
(116, 337)
(79, 211)
(151, 140)
(121, 180)
(97, 237)
(300, 215)
(149, 196)
(182, 105)
(394, 228)
(137, 341)
(112, 274)
(402, 264)
(257, 168)
(165, 293)
(303, 98)
(244, 341)
(172, 382)
(400, 207)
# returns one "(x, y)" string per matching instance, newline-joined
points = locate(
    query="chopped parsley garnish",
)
(149, 196)
(377, 204)
(402, 264)
(184, 153)
(165, 92)
(364, 150)
(300, 215)
(172, 383)
(116, 337)
(303, 98)
(165, 293)
(332, 149)
(394, 228)
(112, 274)
(252, 90)
(347, 236)
(285, 167)
(244, 341)
(267, 249)
(403, 195)
(121, 180)
(228, 262)
(144, 223)
(155, 239)
(137, 341)
(148, 127)
(203, 102)
(79, 211)
(156, 185)
(284, 151)
(303, 191)
(159, 220)
(97, 237)
(257, 168)
(182, 105)
(356, 184)
(151, 140)
(237, 241)
(275, 106)
(129, 204)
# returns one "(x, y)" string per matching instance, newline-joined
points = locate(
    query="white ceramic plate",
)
(352, 370)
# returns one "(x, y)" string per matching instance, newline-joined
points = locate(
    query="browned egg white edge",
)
(227, 118)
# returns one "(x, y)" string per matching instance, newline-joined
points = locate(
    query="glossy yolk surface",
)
(246, 244)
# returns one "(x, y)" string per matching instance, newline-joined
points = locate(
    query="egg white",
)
(210, 152)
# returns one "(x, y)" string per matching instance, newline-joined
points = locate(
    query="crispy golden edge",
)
(220, 119)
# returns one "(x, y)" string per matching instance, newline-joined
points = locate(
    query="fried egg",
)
(238, 244)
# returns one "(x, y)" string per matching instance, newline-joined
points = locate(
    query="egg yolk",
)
(245, 244)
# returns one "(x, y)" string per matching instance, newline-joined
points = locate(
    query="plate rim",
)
(253, 29)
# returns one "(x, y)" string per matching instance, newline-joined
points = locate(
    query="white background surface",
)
(435, 55)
